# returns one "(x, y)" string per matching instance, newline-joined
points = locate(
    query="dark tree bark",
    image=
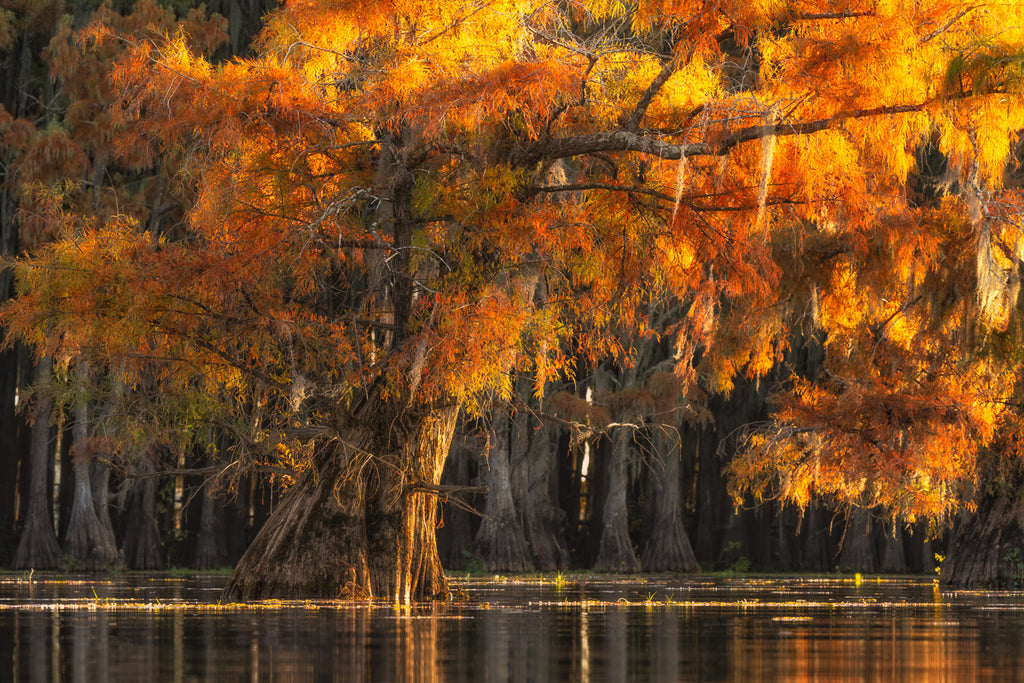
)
(501, 541)
(455, 537)
(209, 551)
(721, 534)
(361, 522)
(143, 547)
(86, 542)
(38, 547)
(858, 552)
(986, 549)
(817, 553)
(615, 553)
(893, 553)
(668, 547)
(534, 488)
(101, 502)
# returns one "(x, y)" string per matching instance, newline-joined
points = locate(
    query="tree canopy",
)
(395, 206)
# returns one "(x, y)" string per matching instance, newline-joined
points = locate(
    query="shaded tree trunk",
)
(101, 502)
(501, 541)
(12, 436)
(893, 553)
(209, 552)
(615, 553)
(38, 547)
(987, 547)
(86, 542)
(722, 534)
(858, 552)
(668, 547)
(142, 542)
(534, 488)
(455, 538)
(361, 522)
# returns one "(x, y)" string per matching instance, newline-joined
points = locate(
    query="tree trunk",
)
(38, 547)
(893, 553)
(360, 523)
(858, 553)
(209, 553)
(101, 502)
(142, 543)
(668, 547)
(11, 439)
(986, 549)
(500, 540)
(534, 489)
(455, 538)
(86, 542)
(615, 553)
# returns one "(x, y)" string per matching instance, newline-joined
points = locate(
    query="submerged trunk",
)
(501, 541)
(86, 542)
(987, 548)
(209, 553)
(616, 550)
(101, 502)
(142, 543)
(858, 553)
(360, 523)
(668, 547)
(38, 547)
(534, 490)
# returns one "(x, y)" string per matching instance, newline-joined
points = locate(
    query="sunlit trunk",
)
(360, 523)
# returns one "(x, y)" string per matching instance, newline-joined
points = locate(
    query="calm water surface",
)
(141, 628)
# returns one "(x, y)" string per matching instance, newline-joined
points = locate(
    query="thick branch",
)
(632, 189)
(633, 141)
(634, 119)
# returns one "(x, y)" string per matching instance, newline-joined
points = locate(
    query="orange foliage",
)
(434, 194)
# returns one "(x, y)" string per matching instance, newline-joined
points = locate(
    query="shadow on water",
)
(580, 629)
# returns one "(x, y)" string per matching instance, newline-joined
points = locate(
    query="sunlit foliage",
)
(430, 195)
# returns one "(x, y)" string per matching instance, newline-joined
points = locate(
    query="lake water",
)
(146, 628)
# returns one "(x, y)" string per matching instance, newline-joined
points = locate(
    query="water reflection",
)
(668, 630)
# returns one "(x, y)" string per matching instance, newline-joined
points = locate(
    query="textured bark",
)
(721, 534)
(858, 552)
(893, 554)
(986, 549)
(817, 552)
(143, 548)
(360, 523)
(455, 537)
(101, 502)
(501, 541)
(209, 551)
(38, 547)
(615, 553)
(668, 547)
(11, 437)
(534, 490)
(86, 542)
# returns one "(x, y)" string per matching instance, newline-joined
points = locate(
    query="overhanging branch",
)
(623, 140)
